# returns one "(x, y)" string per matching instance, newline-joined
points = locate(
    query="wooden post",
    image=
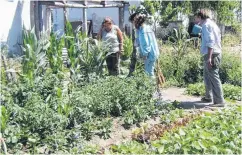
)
(65, 17)
(36, 19)
(121, 18)
(48, 20)
(84, 25)
(40, 17)
(32, 15)
(8, 76)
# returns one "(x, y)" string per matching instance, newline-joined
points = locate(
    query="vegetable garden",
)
(51, 106)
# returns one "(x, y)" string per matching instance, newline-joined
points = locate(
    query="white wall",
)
(13, 15)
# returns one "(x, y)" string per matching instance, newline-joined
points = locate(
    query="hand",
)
(209, 62)
(120, 52)
(144, 57)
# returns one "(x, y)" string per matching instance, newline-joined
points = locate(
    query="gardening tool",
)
(159, 75)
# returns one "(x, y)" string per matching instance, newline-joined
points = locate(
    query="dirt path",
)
(120, 134)
(187, 102)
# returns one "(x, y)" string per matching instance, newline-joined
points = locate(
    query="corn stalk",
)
(179, 43)
(92, 57)
(128, 47)
(54, 53)
(34, 59)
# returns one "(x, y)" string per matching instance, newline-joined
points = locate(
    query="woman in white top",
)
(113, 36)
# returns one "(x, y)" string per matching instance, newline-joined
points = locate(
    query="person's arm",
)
(210, 42)
(120, 38)
(99, 35)
(144, 44)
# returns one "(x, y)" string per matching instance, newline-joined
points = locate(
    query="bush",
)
(190, 68)
(230, 69)
(230, 91)
(114, 96)
(189, 71)
(45, 113)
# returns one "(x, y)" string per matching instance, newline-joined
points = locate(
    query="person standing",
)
(146, 41)
(211, 50)
(111, 34)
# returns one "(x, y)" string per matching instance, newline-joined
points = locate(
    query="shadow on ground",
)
(193, 104)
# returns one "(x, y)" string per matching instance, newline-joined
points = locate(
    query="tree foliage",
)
(169, 10)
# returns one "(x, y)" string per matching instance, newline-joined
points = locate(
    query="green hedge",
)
(190, 68)
(230, 91)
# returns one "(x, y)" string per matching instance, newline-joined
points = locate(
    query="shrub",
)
(230, 69)
(189, 71)
(113, 96)
(230, 91)
(191, 67)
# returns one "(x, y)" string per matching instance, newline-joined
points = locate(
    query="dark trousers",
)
(113, 63)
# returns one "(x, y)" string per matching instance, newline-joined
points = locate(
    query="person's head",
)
(137, 19)
(107, 23)
(202, 15)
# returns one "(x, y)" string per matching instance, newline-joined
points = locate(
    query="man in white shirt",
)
(211, 50)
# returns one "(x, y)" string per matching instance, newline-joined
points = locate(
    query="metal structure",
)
(36, 10)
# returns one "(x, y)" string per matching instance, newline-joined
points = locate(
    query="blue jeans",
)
(150, 67)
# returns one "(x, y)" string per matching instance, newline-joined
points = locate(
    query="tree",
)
(168, 10)
(224, 10)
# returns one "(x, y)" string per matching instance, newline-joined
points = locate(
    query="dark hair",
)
(203, 13)
(131, 17)
(139, 19)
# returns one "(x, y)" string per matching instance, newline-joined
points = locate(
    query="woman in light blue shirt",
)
(146, 41)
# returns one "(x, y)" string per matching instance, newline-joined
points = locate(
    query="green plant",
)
(54, 53)
(70, 45)
(34, 58)
(230, 91)
(230, 69)
(212, 133)
(128, 47)
(179, 43)
(104, 128)
(92, 57)
(217, 133)
(29, 59)
(190, 67)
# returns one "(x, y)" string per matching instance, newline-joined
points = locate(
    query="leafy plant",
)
(230, 69)
(92, 57)
(217, 132)
(54, 53)
(104, 128)
(70, 44)
(29, 47)
(178, 57)
(128, 47)
(212, 133)
(230, 91)
(34, 59)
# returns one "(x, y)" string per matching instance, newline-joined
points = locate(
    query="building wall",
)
(14, 14)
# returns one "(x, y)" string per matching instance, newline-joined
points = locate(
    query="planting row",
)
(47, 114)
(209, 133)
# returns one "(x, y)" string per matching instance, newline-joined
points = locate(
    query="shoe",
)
(204, 99)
